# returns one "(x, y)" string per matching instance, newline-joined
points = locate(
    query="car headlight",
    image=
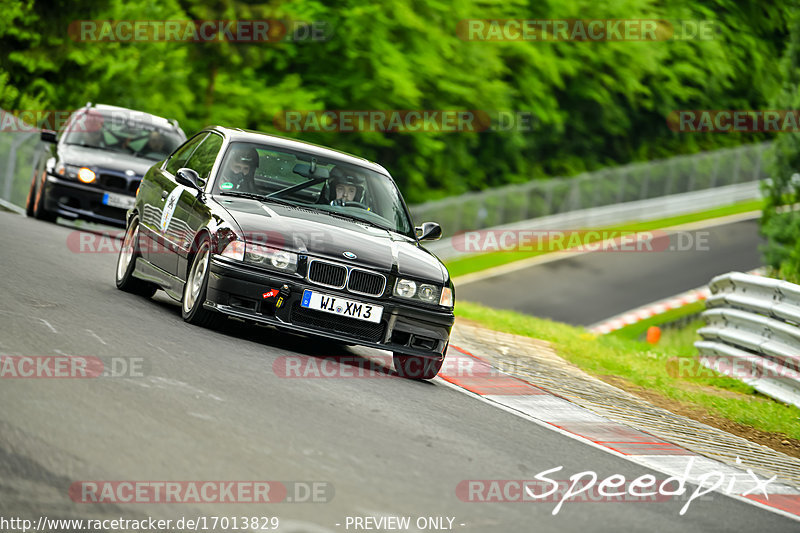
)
(270, 257)
(86, 175)
(423, 292)
(427, 293)
(405, 288)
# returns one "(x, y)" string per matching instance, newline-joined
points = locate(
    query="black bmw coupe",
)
(278, 231)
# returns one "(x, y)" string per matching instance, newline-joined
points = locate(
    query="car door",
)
(161, 199)
(192, 213)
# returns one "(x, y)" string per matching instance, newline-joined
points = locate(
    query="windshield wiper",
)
(297, 187)
(260, 197)
(84, 145)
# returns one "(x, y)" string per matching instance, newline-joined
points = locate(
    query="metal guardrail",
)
(617, 185)
(610, 215)
(752, 333)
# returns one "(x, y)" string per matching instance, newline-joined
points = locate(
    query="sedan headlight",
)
(86, 175)
(270, 257)
(423, 292)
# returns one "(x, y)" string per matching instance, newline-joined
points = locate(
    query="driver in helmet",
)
(346, 187)
(240, 169)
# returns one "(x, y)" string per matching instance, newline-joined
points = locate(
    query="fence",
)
(17, 149)
(753, 333)
(639, 181)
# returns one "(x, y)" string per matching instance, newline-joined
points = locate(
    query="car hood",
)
(317, 234)
(99, 158)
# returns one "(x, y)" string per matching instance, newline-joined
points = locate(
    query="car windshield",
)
(300, 179)
(130, 133)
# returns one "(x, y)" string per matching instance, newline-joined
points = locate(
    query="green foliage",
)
(780, 223)
(595, 104)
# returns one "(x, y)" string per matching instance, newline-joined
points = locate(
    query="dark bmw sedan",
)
(291, 234)
(91, 169)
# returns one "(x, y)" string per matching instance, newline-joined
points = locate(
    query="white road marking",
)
(165, 383)
(201, 416)
(48, 324)
(45, 322)
(96, 336)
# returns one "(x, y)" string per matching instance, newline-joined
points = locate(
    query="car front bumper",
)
(237, 290)
(76, 200)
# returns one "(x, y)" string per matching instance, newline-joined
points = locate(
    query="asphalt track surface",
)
(583, 289)
(208, 406)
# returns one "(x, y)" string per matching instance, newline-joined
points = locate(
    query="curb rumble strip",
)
(545, 408)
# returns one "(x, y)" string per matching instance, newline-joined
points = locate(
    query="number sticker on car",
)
(341, 306)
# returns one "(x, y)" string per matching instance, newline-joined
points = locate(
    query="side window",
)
(179, 158)
(203, 158)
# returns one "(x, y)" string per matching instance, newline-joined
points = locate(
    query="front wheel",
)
(415, 367)
(126, 262)
(38, 210)
(194, 291)
(31, 197)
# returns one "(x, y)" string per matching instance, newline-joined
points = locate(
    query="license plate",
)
(118, 200)
(341, 306)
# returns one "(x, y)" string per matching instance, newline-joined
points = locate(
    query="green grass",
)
(651, 367)
(635, 331)
(476, 263)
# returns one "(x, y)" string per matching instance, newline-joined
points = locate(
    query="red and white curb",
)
(544, 408)
(656, 308)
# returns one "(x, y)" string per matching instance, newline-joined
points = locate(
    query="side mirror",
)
(429, 231)
(48, 136)
(189, 178)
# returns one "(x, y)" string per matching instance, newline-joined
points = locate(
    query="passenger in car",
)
(240, 170)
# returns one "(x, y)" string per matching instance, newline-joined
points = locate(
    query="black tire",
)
(31, 197)
(39, 211)
(126, 263)
(194, 290)
(415, 367)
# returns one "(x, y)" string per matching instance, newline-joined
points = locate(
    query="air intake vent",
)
(365, 282)
(327, 274)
